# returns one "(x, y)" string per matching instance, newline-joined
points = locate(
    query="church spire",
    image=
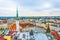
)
(17, 13)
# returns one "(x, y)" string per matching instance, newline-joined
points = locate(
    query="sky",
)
(30, 7)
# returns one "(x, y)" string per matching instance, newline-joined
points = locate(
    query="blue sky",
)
(30, 7)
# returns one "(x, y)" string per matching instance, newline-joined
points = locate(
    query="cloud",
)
(7, 8)
(29, 7)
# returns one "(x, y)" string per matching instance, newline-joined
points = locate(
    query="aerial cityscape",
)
(30, 28)
(29, 19)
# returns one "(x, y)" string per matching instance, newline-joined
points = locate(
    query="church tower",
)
(17, 17)
(17, 21)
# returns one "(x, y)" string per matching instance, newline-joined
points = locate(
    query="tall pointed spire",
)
(17, 13)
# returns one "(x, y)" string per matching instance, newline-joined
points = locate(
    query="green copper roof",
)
(17, 13)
